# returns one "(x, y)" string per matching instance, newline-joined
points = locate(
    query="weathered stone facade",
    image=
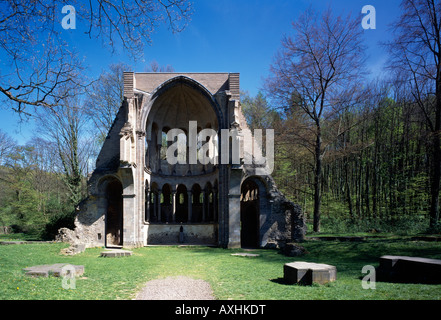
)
(137, 197)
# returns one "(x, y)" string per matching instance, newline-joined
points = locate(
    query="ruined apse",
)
(138, 197)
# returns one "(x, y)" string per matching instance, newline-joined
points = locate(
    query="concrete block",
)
(409, 269)
(307, 273)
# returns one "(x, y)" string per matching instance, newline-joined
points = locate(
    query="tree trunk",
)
(348, 190)
(436, 154)
(317, 180)
(435, 180)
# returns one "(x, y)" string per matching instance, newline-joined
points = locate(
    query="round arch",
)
(166, 203)
(181, 204)
(252, 192)
(114, 213)
(196, 192)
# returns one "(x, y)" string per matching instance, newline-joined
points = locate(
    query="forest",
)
(358, 153)
(375, 174)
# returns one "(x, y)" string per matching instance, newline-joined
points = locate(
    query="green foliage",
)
(33, 200)
(436, 229)
(56, 222)
(399, 226)
(257, 112)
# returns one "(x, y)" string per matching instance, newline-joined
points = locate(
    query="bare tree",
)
(66, 128)
(321, 63)
(415, 56)
(7, 145)
(155, 67)
(40, 60)
(105, 97)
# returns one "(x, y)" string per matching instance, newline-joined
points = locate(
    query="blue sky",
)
(224, 36)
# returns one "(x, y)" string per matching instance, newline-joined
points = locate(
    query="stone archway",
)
(181, 204)
(166, 204)
(197, 203)
(249, 214)
(114, 214)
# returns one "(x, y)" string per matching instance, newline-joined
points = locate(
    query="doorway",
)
(114, 217)
(249, 215)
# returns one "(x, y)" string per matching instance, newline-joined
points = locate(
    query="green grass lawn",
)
(231, 277)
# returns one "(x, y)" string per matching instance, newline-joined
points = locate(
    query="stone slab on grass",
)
(116, 253)
(5, 243)
(244, 254)
(73, 249)
(409, 269)
(342, 239)
(55, 270)
(308, 273)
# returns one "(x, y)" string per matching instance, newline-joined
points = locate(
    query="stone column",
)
(215, 204)
(129, 221)
(147, 205)
(174, 205)
(158, 206)
(190, 205)
(153, 206)
(234, 208)
(148, 154)
(158, 157)
(204, 202)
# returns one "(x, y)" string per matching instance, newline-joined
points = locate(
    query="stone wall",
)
(89, 224)
(109, 156)
(281, 220)
(205, 233)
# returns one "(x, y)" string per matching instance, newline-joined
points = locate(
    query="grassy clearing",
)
(231, 277)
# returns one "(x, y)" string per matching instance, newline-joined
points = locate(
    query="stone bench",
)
(409, 269)
(54, 270)
(307, 273)
(116, 253)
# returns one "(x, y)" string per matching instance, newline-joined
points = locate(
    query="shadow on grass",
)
(281, 281)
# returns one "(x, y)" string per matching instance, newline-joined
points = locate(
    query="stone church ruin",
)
(137, 198)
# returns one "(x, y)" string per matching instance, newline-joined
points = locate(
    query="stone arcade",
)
(137, 198)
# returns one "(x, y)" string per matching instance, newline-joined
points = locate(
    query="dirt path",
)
(176, 288)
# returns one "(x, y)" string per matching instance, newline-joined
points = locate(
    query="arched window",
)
(164, 145)
(182, 148)
(166, 204)
(152, 151)
(153, 203)
(147, 202)
(209, 205)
